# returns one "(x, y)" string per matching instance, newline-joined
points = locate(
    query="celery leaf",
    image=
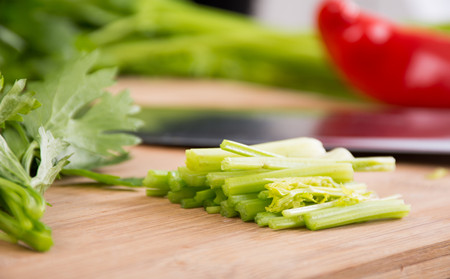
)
(15, 102)
(80, 112)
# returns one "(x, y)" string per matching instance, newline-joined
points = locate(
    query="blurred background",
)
(271, 43)
(294, 14)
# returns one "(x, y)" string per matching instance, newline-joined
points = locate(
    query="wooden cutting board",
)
(121, 233)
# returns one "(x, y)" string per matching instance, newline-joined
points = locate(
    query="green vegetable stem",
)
(285, 184)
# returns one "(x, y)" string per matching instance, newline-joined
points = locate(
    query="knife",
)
(397, 130)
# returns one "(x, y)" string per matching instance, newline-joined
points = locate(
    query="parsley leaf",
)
(15, 102)
(80, 112)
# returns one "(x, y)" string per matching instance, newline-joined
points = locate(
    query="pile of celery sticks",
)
(282, 184)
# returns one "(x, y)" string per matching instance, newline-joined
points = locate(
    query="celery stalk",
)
(210, 159)
(252, 163)
(234, 199)
(297, 211)
(157, 179)
(191, 203)
(220, 196)
(227, 211)
(340, 172)
(360, 212)
(155, 192)
(204, 195)
(280, 223)
(176, 183)
(206, 159)
(193, 178)
(215, 209)
(264, 195)
(185, 193)
(249, 208)
(245, 150)
(262, 218)
(216, 179)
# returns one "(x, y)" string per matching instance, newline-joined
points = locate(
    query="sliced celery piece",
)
(386, 163)
(191, 203)
(340, 172)
(157, 179)
(338, 154)
(245, 150)
(204, 195)
(360, 212)
(220, 196)
(175, 182)
(155, 192)
(209, 202)
(359, 164)
(234, 199)
(262, 218)
(216, 179)
(206, 159)
(193, 178)
(227, 211)
(249, 208)
(185, 193)
(297, 211)
(296, 192)
(215, 209)
(263, 195)
(210, 159)
(281, 223)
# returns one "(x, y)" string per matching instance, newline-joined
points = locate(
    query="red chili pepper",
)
(391, 63)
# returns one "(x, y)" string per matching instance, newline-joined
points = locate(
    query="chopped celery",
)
(245, 150)
(209, 202)
(296, 192)
(280, 223)
(204, 195)
(191, 203)
(220, 196)
(216, 179)
(437, 173)
(234, 164)
(185, 193)
(360, 212)
(227, 211)
(263, 195)
(249, 208)
(193, 178)
(305, 209)
(297, 211)
(374, 164)
(157, 179)
(215, 209)
(296, 147)
(253, 163)
(175, 182)
(340, 172)
(262, 218)
(210, 159)
(234, 199)
(338, 154)
(205, 159)
(155, 192)
(307, 187)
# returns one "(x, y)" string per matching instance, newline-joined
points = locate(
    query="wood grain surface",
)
(120, 233)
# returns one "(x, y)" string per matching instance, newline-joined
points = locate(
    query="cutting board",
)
(115, 232)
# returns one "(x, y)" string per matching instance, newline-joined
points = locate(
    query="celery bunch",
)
(283, 184)
(161, 38)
